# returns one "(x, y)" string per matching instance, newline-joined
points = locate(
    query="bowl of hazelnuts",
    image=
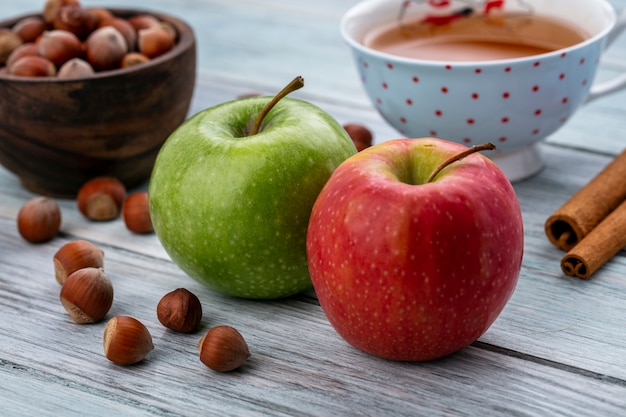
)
(90, 92)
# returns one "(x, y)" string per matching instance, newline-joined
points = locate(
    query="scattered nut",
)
(87, 295)
(105, 48)
(76, 255)
(180, 310)
(101, 198)
(136, 213)
(39, 220)
(360, 135)
(223, 349)
(126, 340)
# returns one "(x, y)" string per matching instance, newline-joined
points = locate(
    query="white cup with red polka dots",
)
(513, 102)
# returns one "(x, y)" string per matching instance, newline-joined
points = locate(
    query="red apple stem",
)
(294, 85)
(476, 148)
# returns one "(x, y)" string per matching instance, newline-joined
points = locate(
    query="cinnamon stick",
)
(589, 206)
(604, 241)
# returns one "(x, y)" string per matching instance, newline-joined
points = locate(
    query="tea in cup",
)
(510, 72)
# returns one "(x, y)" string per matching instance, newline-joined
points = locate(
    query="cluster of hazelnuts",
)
(68, 40)
(87, 292)
(99, 199)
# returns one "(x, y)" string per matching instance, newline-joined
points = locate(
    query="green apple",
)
(232, 190)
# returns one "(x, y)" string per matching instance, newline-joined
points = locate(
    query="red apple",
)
(411, 269)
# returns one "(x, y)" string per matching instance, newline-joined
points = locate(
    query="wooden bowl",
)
(56, 134)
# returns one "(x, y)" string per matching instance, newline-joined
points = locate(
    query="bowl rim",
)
(185, 41)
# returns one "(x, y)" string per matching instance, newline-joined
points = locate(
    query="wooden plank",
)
(291, 372)
(547, 309)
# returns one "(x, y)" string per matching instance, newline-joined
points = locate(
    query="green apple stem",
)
(294, 85)
(476, 148)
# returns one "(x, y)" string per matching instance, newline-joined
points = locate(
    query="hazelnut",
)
(136, 213)
(100, 14)
(223, 349)
(26, 49)
(75, 68)
(75, 19)
(87, 295)
(180, 310)
(133, 58)
(29, 28)
(101, 198)
(126, 340)
(39, 220)
(154, 41)
(360, 135)
(169, 28)
(59, 46)
(125, 28)
(51, 8)
(33, 66)
(9, 40)
(105, 48)
(76, 255)
(143, 21)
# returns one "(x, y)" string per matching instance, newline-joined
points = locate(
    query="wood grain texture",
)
(558, 348)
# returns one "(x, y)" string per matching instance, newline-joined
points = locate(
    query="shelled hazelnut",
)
(223, 349)
(101, 198)
(87, 295)
(75, 255)
(39, 220)
(126, 340)
(180, 310)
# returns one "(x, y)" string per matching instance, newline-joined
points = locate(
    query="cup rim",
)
(598, 37)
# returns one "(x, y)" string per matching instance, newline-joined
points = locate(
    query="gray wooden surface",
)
(558, 349)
